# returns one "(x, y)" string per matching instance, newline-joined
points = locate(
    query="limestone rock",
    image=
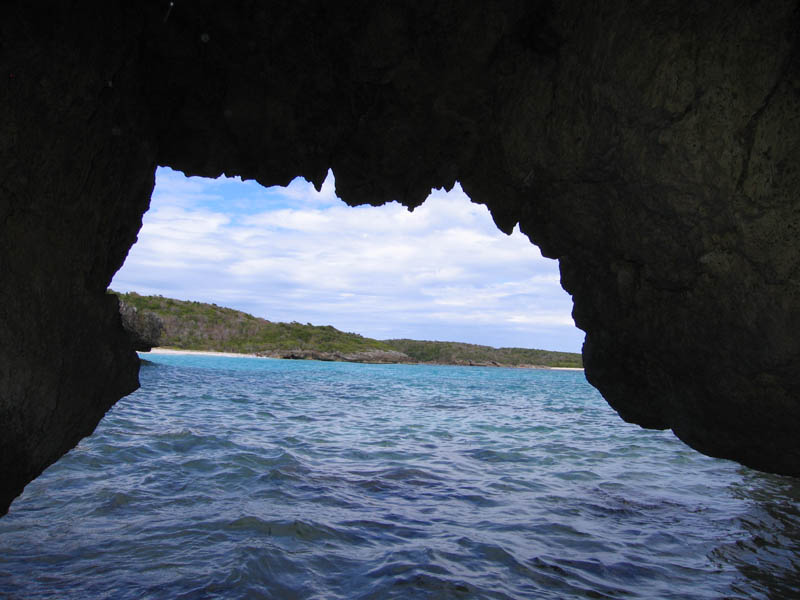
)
(368, 356)
(654, 149)
(144, 328)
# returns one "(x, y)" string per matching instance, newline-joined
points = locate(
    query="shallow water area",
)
(254, 478)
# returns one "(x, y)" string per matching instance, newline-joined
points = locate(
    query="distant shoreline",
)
(174, 325)
(160, 350)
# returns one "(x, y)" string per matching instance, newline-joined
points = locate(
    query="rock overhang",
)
(654, 152)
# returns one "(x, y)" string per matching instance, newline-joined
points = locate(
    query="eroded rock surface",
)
(652, 148)
(368, 356)
(144, 327)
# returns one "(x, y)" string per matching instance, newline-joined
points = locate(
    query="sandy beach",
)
(202, 353)
(237, 355)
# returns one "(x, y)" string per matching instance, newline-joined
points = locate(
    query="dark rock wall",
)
(651, 147)
(76, 173)
(672, 204)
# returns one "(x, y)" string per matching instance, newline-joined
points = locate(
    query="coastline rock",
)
(652, 149)
(144, 328)
(369, 356)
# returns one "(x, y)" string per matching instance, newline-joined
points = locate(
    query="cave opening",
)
(296, 254)
(652, 151)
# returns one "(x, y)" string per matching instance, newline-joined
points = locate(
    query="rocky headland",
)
(144, 328)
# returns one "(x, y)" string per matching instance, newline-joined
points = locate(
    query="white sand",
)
(237, 355)
(201, 353)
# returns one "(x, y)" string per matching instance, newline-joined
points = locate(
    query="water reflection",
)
(766, 547)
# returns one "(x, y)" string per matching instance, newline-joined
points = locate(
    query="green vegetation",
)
(458, 353)
(199, 326)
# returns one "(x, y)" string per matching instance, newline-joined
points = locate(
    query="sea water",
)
(256, 478)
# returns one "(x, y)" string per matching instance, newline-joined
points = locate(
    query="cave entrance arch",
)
(443, 272)
(653, 152)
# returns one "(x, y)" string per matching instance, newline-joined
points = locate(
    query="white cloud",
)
(441, 272)
(301, 190)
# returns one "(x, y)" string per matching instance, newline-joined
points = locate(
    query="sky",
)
(442, 272)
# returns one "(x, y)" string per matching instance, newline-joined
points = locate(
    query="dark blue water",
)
(253, 478)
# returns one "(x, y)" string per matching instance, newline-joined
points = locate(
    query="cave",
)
(653, 149)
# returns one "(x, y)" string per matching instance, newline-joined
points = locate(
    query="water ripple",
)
(245, 478)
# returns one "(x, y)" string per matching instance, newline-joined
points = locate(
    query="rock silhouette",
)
(653, 150)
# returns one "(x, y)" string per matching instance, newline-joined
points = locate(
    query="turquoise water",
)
(253, 478)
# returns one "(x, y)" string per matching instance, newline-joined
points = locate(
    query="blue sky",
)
(443, 272)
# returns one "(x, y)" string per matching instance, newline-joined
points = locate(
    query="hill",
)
(457, 353)
(190, 325)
